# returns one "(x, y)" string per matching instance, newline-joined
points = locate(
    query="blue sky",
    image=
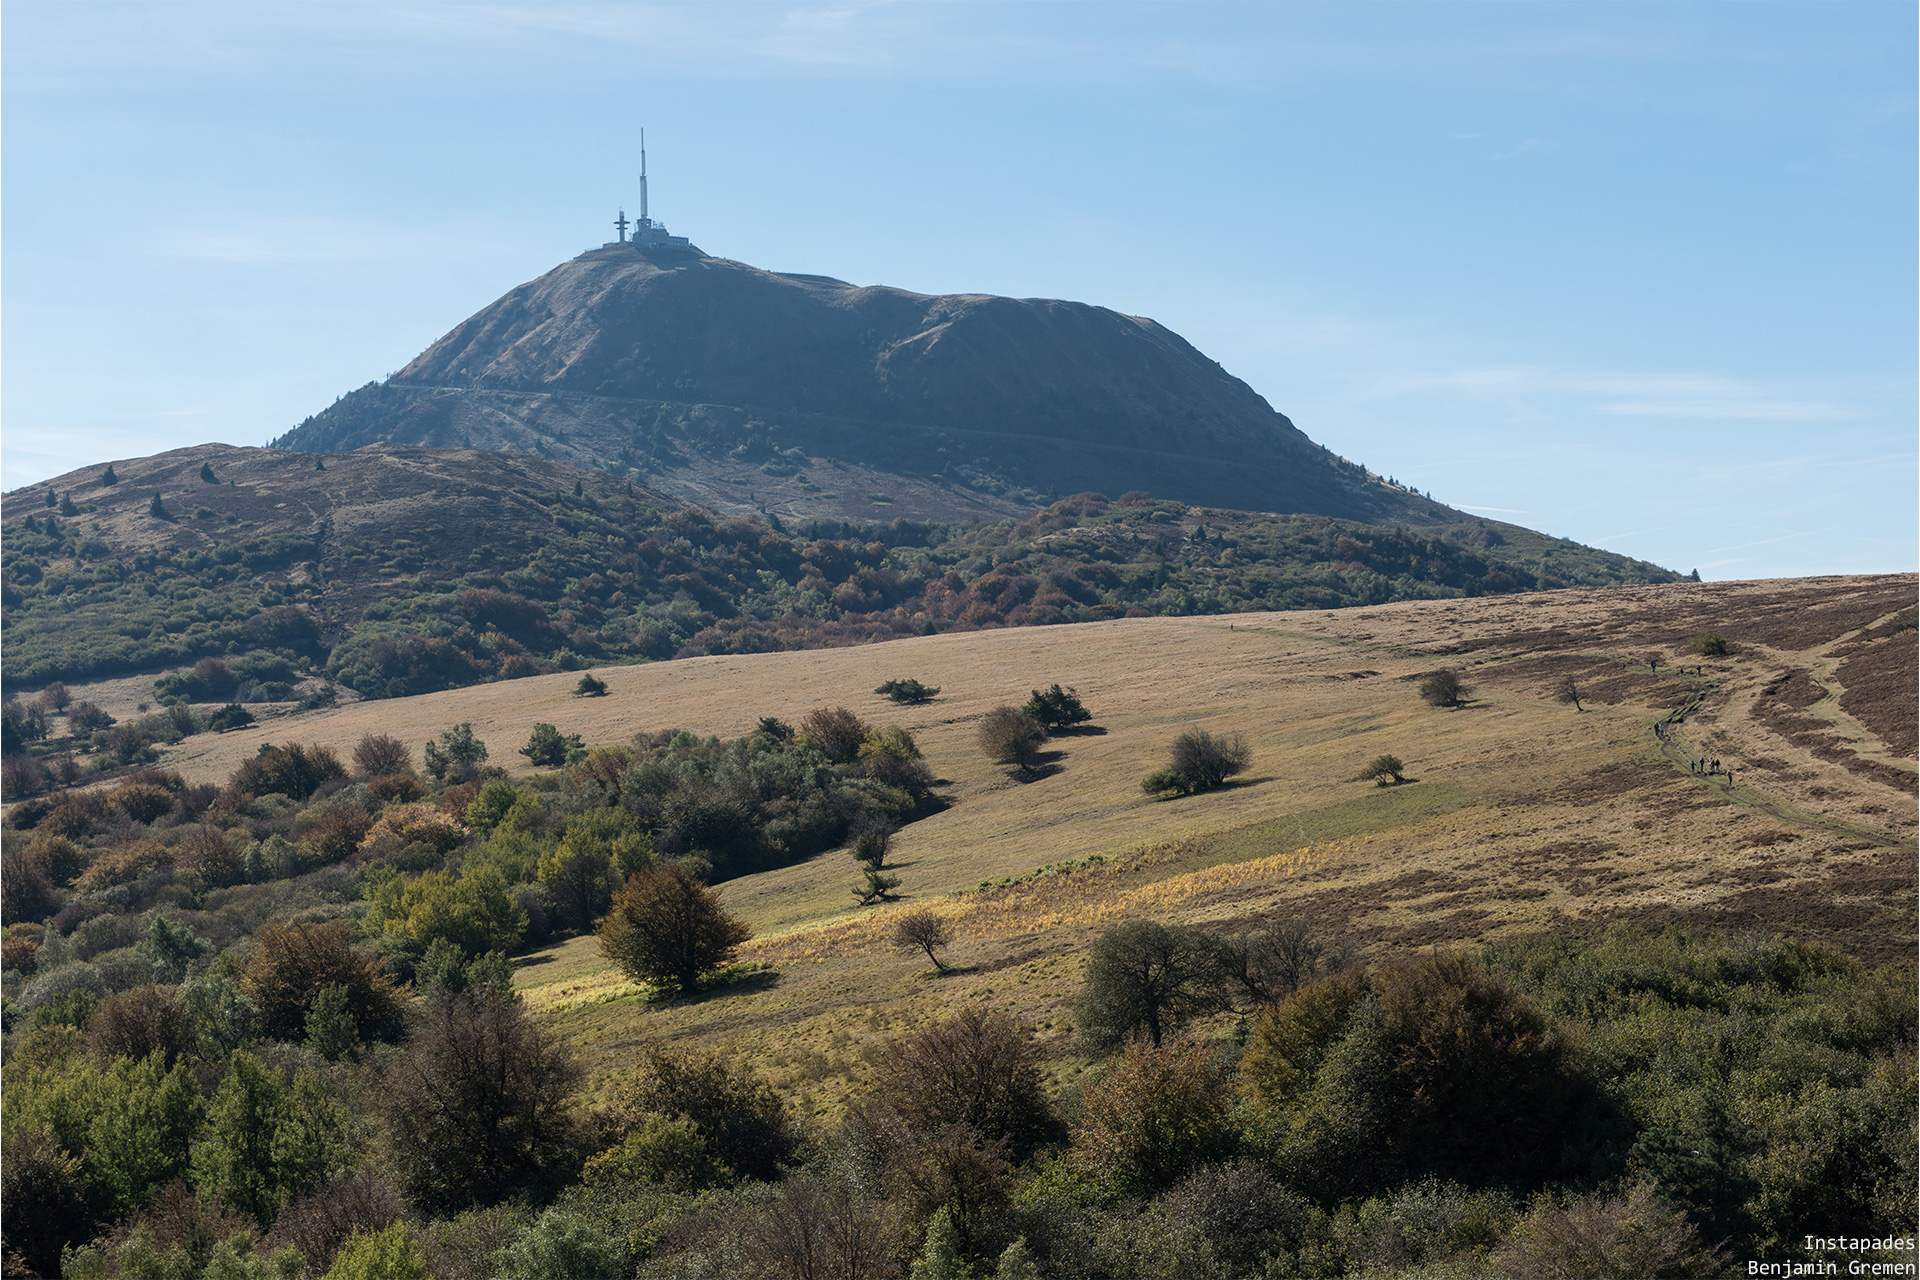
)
(1637, 274)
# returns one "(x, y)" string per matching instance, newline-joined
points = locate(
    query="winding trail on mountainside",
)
(1682, 760)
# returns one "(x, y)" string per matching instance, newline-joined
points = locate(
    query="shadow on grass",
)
(1231, 784)
(740, 979)
(947, 971)
(1047, 767)
(929, 804)
(1078, 731)
(528, 962)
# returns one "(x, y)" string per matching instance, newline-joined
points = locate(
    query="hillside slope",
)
(398, 569)
(1524, 814)
(728, 384)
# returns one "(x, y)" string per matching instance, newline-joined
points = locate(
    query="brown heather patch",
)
(1882, 683)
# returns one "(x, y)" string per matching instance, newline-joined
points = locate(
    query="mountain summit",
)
(803, 395)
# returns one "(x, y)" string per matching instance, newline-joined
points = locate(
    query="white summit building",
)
(647, 234)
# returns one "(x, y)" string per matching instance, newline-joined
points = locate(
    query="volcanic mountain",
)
(801, 395)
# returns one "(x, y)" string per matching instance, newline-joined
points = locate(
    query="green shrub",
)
(1200, 762)
(910, 692)
(380, 1255)
(563, 1246)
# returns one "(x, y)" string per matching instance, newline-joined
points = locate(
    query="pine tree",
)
(331, 1032)
(66, 505)
(235, 1161)
(206, 473)
(49, 499)
(158, 509)
(108, 477)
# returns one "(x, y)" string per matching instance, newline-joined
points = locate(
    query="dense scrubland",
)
(557, 579)
(270, 1028)
(289, 1019)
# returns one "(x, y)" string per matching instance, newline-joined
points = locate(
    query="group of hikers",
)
(1706, 767)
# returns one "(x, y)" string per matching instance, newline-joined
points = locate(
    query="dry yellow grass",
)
(1525, 814)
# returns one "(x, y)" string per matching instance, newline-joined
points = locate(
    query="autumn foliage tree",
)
(1009, 735)
(379, 754)
(978, 1068)
(1159, 1112)
(293, 771)
(292, 964)
(836, 732)
(665, 926)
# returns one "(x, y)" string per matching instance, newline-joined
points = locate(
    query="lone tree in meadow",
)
(907, 691)
(1567, 690)
(875, 886)
(926, 930)
(590, 686)
(1009, 735)
(1385, 771)
(666, 927)
(1057, 708)
(1710, 645)
(206, 473)
(1200, 762)
(1443, 689)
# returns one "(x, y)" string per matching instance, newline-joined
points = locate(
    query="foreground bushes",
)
(210, 1063)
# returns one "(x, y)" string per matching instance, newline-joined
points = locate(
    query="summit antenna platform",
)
(647, 234)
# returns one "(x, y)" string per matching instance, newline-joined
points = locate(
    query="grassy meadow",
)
(1520, 814)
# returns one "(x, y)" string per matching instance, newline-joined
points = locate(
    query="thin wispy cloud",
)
(1697, 397)
(291, 242)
